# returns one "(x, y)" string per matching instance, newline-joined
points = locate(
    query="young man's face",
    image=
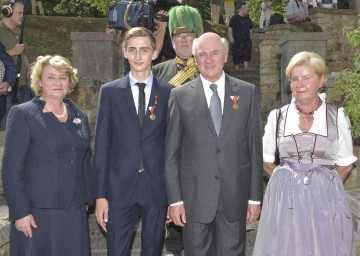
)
(140, 54)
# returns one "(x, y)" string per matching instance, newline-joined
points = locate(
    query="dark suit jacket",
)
(199, 165)
(10, 68)
(120, 142)
(45, 164)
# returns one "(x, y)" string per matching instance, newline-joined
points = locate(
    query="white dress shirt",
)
(135, 90)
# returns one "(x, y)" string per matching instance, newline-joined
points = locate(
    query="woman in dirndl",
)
(305, 210)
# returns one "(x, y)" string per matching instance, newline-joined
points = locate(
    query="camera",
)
(126, 14)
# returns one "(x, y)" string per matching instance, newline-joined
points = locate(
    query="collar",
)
(147, 81)
(187, 63)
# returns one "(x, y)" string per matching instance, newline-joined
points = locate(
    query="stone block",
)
(95, 55)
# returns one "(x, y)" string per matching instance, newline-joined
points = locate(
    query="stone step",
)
(136, 252)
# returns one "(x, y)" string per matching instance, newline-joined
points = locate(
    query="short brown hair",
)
(140, 32)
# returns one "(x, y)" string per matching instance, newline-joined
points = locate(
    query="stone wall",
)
(278, 43)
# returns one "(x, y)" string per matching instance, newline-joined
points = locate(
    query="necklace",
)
(308, 113)
(58, 116)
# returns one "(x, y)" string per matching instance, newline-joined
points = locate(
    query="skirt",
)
(305, 212)
(58, 233)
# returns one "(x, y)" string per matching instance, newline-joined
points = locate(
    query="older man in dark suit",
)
(213, 155)
(129, 152)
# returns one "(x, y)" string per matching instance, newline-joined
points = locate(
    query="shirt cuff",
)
(177, 203)
(254, 202)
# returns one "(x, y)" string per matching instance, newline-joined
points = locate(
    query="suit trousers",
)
(122, 223)
(218, 238)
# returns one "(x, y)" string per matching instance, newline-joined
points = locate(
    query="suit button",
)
(72, 161)
(218, 151)
(217, 177)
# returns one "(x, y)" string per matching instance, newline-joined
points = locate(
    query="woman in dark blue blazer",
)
(46, 166)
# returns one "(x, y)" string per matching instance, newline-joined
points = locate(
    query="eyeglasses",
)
(304, 79)
(184, 36)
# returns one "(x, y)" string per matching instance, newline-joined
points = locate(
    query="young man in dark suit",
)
(129, 151)
(213, 155)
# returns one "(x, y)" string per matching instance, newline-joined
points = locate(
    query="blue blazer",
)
(120, 142)
(11, 69)
(46, 163)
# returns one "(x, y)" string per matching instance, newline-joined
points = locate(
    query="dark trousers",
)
(122, 223)
(218, 238)
(174, 239)
(241, 50)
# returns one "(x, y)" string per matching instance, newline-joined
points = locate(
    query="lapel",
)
(198, 96)
(230, 90)
(129, 99)
(155, 91)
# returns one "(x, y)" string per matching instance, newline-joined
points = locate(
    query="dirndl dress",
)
(305, 211)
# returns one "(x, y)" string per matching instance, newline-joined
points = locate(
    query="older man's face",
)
(182, 44)
(210, 56)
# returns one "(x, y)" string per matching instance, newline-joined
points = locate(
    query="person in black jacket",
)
(46, 166)
(7, 82)
(239, 37)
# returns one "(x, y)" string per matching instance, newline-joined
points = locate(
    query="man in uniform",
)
(185, 24)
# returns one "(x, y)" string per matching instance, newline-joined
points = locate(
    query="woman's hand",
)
(24, 225)
(343, 171)
(269, 168)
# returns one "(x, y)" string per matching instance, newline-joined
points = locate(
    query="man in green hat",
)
(185, 24)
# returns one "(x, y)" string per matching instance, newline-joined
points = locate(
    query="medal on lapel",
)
(152, 109)
(235, 102)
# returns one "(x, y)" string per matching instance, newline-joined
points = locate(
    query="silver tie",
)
(215, 108)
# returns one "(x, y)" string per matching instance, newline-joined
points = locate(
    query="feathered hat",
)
(185, 19)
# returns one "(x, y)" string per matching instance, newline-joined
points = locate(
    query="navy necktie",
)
(141, 112)
(141, 103)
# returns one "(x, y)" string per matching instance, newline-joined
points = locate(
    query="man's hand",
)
(3, 88)
(101, 212)
(16, 50)
(24, 225)
(161, 24)
(253, 213)
(177, 214)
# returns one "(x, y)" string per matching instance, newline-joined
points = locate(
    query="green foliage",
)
(101, 5)
(348, 84)
(77, 8)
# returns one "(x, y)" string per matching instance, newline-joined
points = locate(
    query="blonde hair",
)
(312, 59)
(58, 62)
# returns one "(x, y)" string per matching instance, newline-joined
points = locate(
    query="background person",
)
(266, 11)
(9, 36)
(185, 24)
(215, 6)
(213, 155)
(37, 3)
(240, 38)
(305, 211)
(46, 166)
(129, 151)
(297, 10)
(6, 85)
(229, 7)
